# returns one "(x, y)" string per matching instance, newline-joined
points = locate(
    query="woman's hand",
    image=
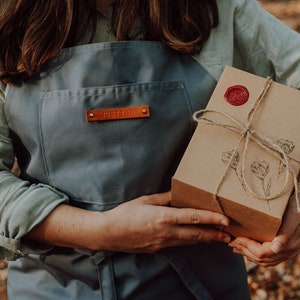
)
(286, 245)
(147, 224)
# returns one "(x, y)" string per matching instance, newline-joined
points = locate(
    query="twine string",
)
(264, 142)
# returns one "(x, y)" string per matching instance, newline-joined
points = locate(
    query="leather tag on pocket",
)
(120, 113)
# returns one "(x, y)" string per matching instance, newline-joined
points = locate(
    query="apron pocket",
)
(116, 159)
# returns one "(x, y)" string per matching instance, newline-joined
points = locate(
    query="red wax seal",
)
(237, 95)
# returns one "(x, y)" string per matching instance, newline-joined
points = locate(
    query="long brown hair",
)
(32, 33)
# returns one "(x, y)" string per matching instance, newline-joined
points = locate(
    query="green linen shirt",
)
(247, 38)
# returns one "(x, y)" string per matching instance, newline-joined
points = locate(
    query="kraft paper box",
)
(244, 156)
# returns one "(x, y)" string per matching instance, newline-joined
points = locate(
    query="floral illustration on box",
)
(261, 169)
(258, 168)
(287, 147)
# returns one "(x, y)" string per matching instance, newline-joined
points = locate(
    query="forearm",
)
(143, 225)
(68, 226)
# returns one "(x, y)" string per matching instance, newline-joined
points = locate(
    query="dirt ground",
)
(281, 282)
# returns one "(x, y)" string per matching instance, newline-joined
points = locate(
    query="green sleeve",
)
(22, 205)
(265, 45)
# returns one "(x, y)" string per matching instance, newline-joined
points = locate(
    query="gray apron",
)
(100, 164)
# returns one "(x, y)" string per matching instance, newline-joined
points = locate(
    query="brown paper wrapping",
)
(243, 160)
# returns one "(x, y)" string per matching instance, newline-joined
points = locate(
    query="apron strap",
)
(106, 281)
(185, 272)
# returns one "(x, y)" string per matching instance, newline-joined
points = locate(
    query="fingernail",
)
(224, 222)
(276, 246)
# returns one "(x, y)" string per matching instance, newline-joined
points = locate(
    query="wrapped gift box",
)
(243, 159)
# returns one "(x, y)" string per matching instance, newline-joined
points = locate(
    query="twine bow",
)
(264, 142)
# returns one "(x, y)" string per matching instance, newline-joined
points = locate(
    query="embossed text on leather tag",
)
(120, 113)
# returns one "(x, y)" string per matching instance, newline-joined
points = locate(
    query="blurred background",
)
(286, 10)
(281, 282)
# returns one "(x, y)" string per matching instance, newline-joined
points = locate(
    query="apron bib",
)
(119, 159)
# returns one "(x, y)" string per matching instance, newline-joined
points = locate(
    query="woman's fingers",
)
(259, 253)
(150, 224)
(201, 234)
(186, 215)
